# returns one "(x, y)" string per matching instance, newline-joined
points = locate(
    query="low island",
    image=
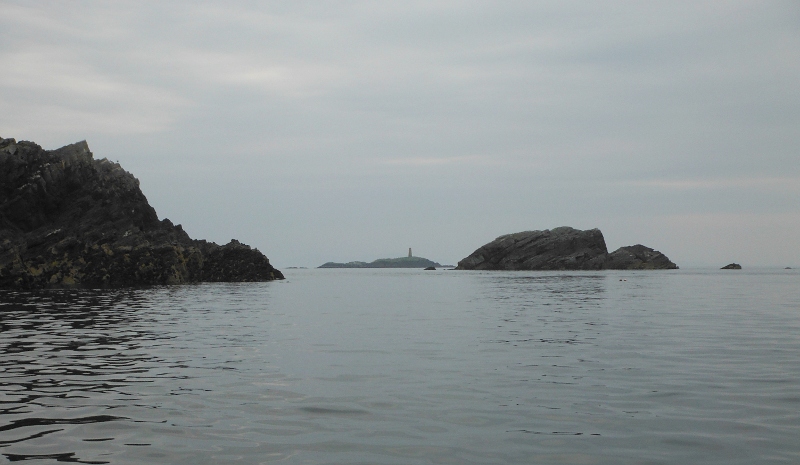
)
(68, 220)
(732, 266)
(402, 262)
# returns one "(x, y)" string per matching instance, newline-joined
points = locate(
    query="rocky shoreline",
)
(68, 220)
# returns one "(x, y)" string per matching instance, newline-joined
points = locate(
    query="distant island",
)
(68, 220)
(402, 262)
(732, 266)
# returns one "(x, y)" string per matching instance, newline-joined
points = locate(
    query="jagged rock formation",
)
(67, 220)
(732, 266)
(561, 248)
(402, 262)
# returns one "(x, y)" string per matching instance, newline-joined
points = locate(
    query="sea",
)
(397, 366)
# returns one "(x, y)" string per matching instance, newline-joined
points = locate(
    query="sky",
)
(338, 131)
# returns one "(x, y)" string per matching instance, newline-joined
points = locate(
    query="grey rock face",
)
(561, 248)
(638, 257)
(68, 220)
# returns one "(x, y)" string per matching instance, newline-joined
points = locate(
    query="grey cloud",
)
(269, 120)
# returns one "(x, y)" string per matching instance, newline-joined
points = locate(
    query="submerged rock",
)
(732, 266)
(561, 248)
(68, 220)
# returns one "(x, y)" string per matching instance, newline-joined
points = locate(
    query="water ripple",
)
(400, 366)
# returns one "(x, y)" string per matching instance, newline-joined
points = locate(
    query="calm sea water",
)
(409, 367)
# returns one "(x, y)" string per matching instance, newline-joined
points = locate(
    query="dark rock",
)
(732, 266)
(430, 268)
(561, 248)
(67, 219)
(638, 257)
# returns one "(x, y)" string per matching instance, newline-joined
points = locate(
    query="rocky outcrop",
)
(67, 220)
(402, 262)
(561, 248)
(637, 257)
(732, 266)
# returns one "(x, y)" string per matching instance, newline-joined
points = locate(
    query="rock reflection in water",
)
(84, 368)
(75, 354)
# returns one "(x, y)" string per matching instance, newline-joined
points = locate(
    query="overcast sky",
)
(337, 131)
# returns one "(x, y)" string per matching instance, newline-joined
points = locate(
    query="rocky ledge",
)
(68, 220)
(562, 248)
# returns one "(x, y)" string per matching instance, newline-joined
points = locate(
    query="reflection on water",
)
(68, 355)
(571, 303)
(403, 366)
(90, 366)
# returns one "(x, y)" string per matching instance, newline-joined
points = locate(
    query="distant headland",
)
(403, 262)
(68, 220)
(562, 248)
